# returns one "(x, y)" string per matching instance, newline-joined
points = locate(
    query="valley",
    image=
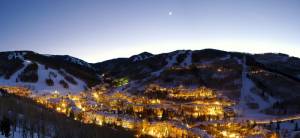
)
(205, 93)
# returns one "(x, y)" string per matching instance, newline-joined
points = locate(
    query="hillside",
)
(184, 93)
(46, 73)
(29, 119)
(272, 79)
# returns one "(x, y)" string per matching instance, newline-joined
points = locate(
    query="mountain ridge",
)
(272, 76)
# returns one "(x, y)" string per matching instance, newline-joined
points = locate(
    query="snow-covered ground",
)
(12, 80)
(188, 60)
(248, 96)
(43, 74)
(288, 125)
(16, 55)
(140, 58)
(19, 134)
(226, 57)
(287, 129)
(41, 87)
(170, 62)
(78, 61)
(239, 61)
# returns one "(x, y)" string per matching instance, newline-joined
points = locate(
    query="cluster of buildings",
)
(237, 130)
(161, 112)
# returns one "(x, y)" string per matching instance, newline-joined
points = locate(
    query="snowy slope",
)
(19, 134)
(77, 61)
(226, 57)
(248, 96)
(140, 57)
(188, 60)
(43, 74)
(41, 87)
(16, 55)
(14, 77)
(171, 60)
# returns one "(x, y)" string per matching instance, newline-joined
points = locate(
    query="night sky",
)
(96, 30)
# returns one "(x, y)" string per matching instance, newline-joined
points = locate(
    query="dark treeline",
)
(5, 126)
(33, 120)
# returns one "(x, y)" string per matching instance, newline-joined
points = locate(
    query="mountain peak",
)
(141, 56)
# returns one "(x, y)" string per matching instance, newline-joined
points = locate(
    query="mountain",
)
(141, 56)
(46, 73)
(261, 84)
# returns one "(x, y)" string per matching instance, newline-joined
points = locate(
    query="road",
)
(260, 122)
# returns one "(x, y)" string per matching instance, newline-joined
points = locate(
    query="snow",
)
(137, 58)
(288, 125)
(188, 60)
(247, 96)
(19, 134)
(43, 74)
(14, 77)
(294, 134)
(239, 61)
(170, 62)
(226, 57)
(47, 55)
(78, 61)
(73, 60)
(287, 128)
(40, 87)
(140, 58)
(16, 55)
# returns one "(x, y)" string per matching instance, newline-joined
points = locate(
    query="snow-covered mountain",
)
(260, 84)
(46, 73)
(141, 56)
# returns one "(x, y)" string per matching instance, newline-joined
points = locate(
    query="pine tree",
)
(5, 126)
(164, 116)
(72, 115)
(278, 126)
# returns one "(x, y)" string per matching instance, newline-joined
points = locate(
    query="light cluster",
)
(160, 112)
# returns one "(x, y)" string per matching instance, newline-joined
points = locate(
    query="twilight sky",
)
(97, 30)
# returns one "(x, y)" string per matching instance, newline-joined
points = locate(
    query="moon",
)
(170, 13)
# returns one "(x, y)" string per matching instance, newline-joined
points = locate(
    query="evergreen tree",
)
(72, 115)
(5, 126)
(271, 124)
(278, 126)
(296, 127)
(164, 115)
(1, 128)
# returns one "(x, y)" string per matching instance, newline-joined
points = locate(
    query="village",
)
(161, 112)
